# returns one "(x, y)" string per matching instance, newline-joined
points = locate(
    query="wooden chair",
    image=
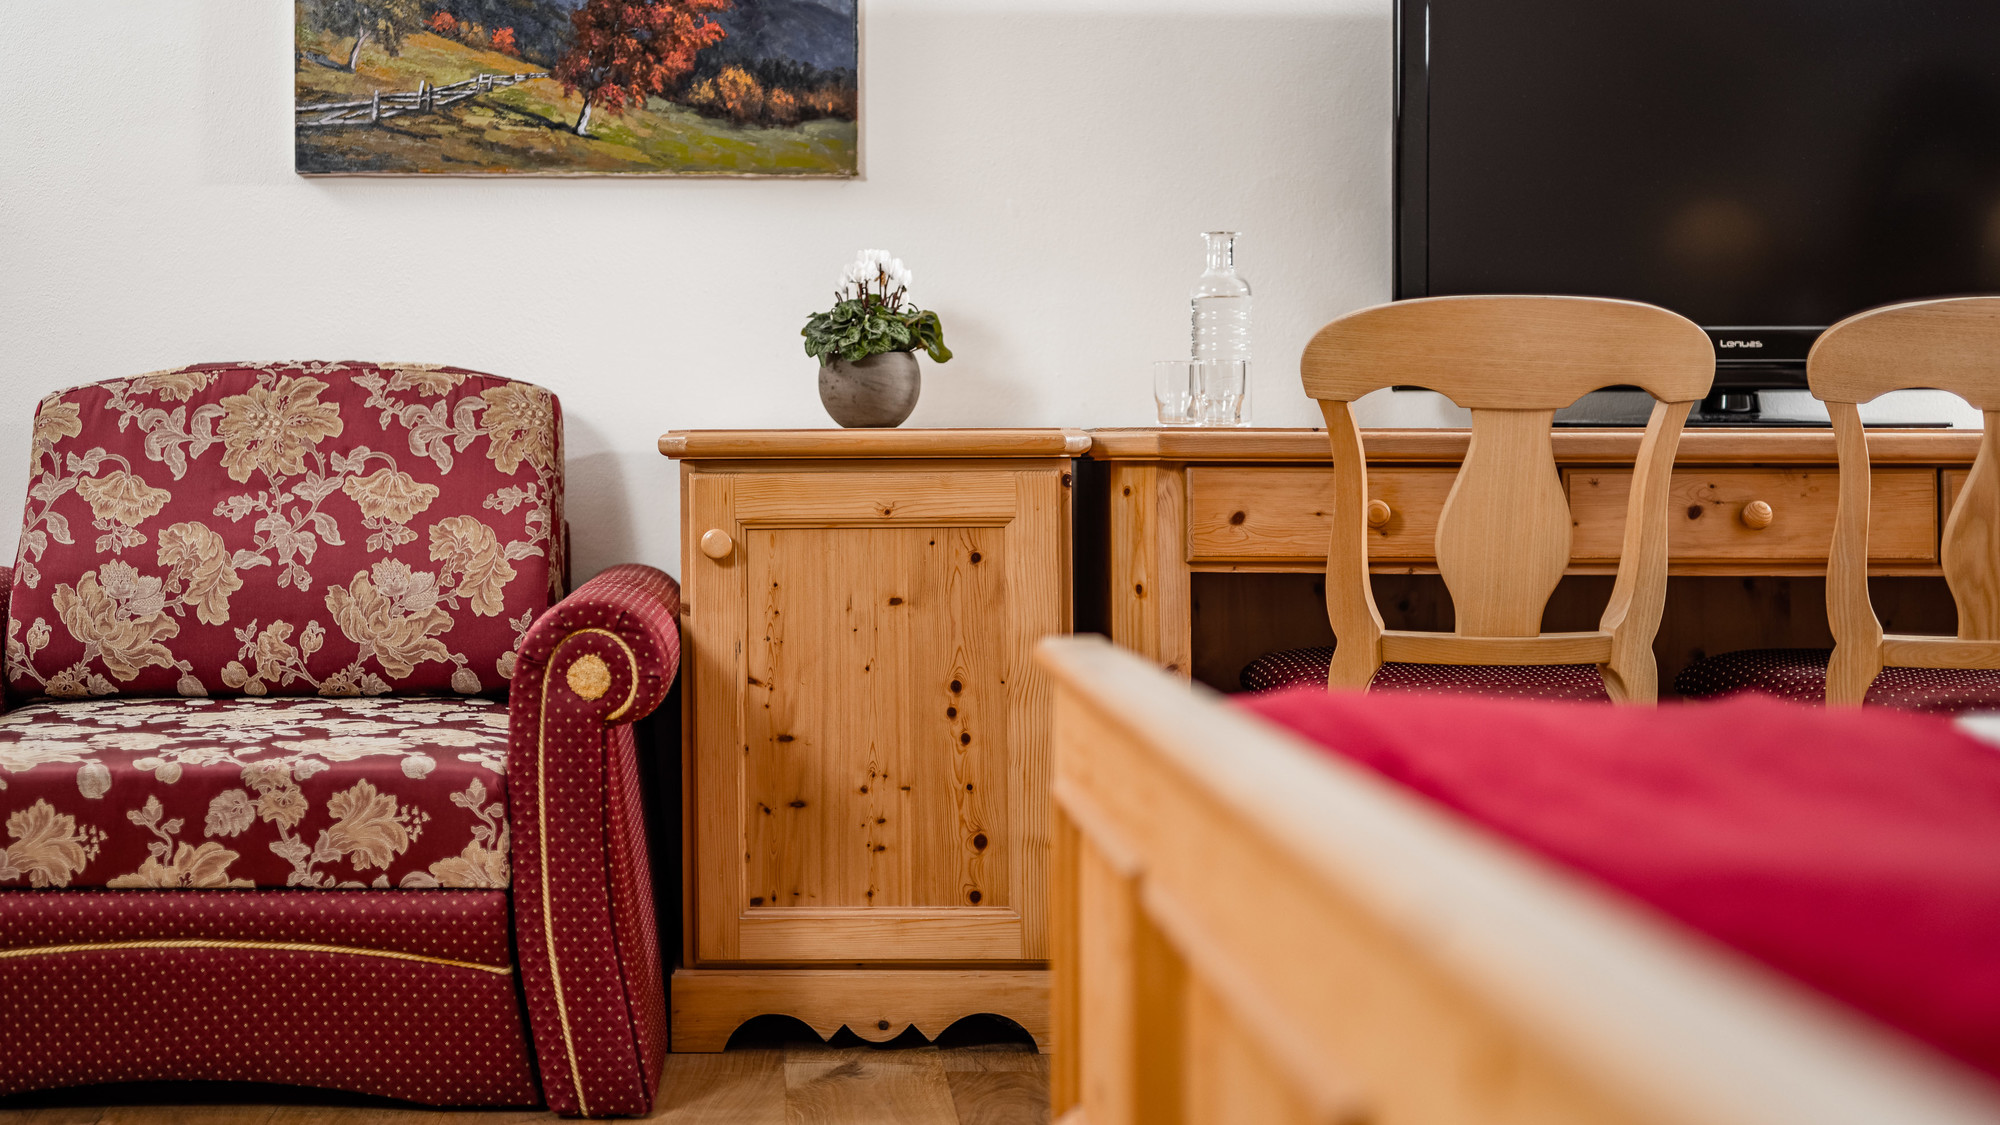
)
(1952, 344)
(1503, 538)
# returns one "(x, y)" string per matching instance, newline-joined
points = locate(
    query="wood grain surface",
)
(1510, 353)
(1705, 514)
(868, 727)
(1572, 446)
(869, 442)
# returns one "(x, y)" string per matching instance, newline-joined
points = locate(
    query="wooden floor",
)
(797, 1084)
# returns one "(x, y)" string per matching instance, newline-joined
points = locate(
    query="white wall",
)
(1044, 166)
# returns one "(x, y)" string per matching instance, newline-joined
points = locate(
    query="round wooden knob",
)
(1379, 513)
(716, 544)
(1757, 515)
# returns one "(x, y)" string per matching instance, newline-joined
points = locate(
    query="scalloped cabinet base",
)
(876, 1004)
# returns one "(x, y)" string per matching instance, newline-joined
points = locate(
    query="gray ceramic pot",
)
(878, 391)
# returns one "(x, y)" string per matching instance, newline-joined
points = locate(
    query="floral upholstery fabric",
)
(1799, 674)
(366, 547)
(1580, 683)
(283, 792)
(332, 529)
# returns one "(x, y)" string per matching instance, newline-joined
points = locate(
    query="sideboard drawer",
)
(1279, 513)
(1706, 514)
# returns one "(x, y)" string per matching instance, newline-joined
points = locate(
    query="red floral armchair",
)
(309, 774)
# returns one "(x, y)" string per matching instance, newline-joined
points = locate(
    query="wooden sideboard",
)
(1185, 506)
(865, 749)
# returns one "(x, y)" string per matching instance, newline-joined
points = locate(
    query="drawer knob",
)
(716, 544)
(1757, 515)
(1379, 513)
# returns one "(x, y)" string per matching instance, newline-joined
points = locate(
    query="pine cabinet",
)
(866, 755)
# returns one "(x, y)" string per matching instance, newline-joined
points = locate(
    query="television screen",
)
(1743, 162)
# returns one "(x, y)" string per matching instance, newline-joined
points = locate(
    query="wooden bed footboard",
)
(1248, 930)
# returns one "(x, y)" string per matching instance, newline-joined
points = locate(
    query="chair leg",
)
(1850, 673)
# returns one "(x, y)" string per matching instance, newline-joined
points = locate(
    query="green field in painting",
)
(526, 128)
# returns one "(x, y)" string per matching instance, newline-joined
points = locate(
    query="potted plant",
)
(866, 343)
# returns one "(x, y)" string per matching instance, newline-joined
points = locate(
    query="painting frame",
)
(771, 89)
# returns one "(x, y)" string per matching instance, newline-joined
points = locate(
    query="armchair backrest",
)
(285, 529)
(1951, 344)
(1503, 538)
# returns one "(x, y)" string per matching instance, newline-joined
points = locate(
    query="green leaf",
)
(856, 329)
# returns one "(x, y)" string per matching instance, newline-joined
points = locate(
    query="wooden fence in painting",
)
(424, 99)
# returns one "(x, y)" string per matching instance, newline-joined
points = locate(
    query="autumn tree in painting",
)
(386, 20)
(626, 50)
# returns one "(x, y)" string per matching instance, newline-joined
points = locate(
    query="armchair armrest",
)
(582, 885)
(635, 607)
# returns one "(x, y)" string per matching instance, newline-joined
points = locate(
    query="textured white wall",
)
(1043, 166)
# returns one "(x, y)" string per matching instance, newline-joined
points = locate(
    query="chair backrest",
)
(285, 529)
(1951, 344)
(1503, 538)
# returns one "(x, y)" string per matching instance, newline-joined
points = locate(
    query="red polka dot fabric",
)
(1799, 675)
(583, 906)
(413, 1027)
(1302, 666)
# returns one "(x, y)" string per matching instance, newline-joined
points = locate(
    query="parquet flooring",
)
(795, 1083)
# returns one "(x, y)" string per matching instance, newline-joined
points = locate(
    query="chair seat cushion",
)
(288, 792)
(1799, 674)
(1300, 666)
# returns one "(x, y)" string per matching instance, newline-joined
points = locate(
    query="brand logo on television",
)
(1741, 344)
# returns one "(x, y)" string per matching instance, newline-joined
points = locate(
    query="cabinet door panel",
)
(872, 788)
(877, 736)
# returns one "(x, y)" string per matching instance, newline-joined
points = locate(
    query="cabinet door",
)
(869, 729)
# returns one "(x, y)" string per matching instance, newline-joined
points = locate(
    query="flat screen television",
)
(1763, 167)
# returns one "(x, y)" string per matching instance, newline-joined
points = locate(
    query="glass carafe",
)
(1220, 304)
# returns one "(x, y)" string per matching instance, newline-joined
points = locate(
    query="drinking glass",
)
(1174, 392)
(1220, 390)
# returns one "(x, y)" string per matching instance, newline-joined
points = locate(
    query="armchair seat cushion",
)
(290, 792)
(1799, 675)
(1300, 666)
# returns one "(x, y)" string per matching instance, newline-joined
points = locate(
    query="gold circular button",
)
(589, 676)
(1379, 513)
(1757, 515)
(716, 544)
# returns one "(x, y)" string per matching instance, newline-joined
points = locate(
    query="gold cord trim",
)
(281, 946)
(542, 837)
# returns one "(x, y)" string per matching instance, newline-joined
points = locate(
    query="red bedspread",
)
(1857, 851)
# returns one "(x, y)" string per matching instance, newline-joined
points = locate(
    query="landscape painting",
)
(578, 87)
